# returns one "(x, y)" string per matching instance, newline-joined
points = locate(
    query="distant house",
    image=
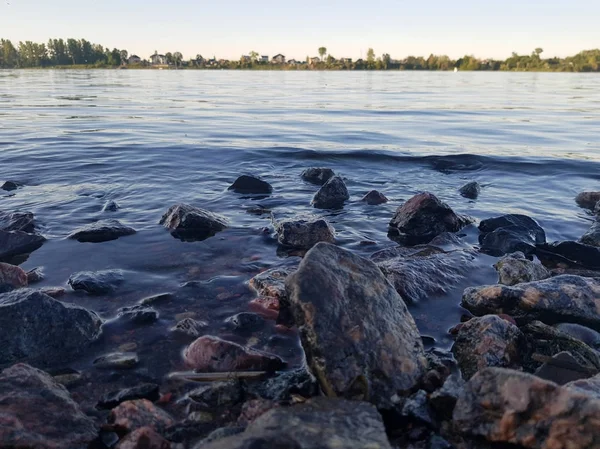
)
(292, 62)
(347, 60)
(315, 60)
(134, 59)
(157, 59)
(246, 58)
(212, 61)
(278, 59)
(264, 58)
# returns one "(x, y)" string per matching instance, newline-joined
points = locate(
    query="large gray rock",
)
(17, 221)
(570, 254)
(358, 336)
(37, 412)
(192, 223)
(304, 231)
(37, 328)
(14, 243)
(592, 236)
(515, 269)
(510, 233)
(101, 231)
(332, 194)
(587, 200)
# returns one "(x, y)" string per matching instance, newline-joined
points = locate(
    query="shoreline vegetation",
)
(82, 54)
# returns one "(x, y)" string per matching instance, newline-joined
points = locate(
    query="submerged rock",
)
(505, 406)
(569, 253)
(41, 330)
(332, 194)
(14, 243)
(359, 338)
(143, 438)
(17, 221)
(111, 206)
(12, 277)
(143, 391)
(374, 198)
(250, 184)
(132, 415)
(592, 236)
(9, 186)
(117, 360)
(515, 269)
(422, 218)
(246, 322)
(101, 231)
(587, 200)
(138, 315)
(317, 175)
(270, 282)
(510, 233)
(35, 275)
(192, 223)
(37, 412)
(470, 190)
(191, 327)
(97, 282)
(215, 395)
(304, 231)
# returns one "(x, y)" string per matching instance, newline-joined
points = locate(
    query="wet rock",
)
(192, 223)
(35, 275)
(488, 341)
(597, 209)
(246, 322)
(17, 221)
(470, 190)
(422, 218)
(359, 338)
(215, 395)
(317, 175)
(39, 329)
(156, 299)
(14, 243)
(97, 282)
(138, 315)
(111, 206)
(251, 184)
(592, 236)
(37, 412)
(9, 186)
(515, 269)
(505, 406)
(320, 423)
(67, 376)
(101, 231)
(191, 327)
(332, 194)
(114, 398)
(588, 336)
(53, 292)
(374, 198)
(212, 354)
(258, 210)
(284, 386)
(270, 282)
(510, 233)
(304, 231)
(220, 433)
(587, 200)
(416, 408)
(253, 409)
(12, 277)
(569, 253)
(561, 369)
(444, 400)
(559, 299)
(144, 438)
(132, 415)
(590, 387)
(117, 360)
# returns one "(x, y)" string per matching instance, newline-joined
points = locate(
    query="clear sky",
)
(297, 28)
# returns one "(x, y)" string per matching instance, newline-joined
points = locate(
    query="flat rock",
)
(270, 282)
(17, 221)
(97, 282)
(37, 412)
(564, 298)
(114, 398)
(332, 194)
(192, 223)
(212, 354)
(12, 277)
(587, 200)
(101, 231)
(570, 253)
(515, 269)
(317, 175)
(592, 236)
(304, 231)
(561, 369)
(36, 328)
(9, 186)
(374, 198)
(510, 233)
(422, 218)
(488, 341)
(132, 415)
(470, 190)
(251, 184)
(138, 314)
(506, 406)
(14, 243)
(144, 438)
(358, 336)
(117, 360)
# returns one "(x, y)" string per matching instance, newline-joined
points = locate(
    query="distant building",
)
(157, 59)
(278, 59)
(347, 60)
(246, 58)
(264, 58)
(292, 61)
(134, 59)
(315, 60)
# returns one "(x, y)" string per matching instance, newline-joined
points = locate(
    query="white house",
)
(134, 59)
(278, 59)
(157, 59)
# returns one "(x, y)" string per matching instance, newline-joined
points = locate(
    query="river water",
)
(150, 139)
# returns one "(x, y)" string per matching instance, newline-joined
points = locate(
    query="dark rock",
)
(470, 190)
(53, 292)
(437, 442)
(97, 282)
(11, 185)
(444, 400)
(284, 385)
(191, 327)
(317, 175)
(39, 329)
(422, 218)
(270, 282)
(156, 299)
(587, 200)
(131, 415)
(510, 233)
(570, 253)
(592, 236)
(111, 206)
(15, 243)
(17, 221)
(332, 194)
(585, 334)
(304, 231)
(590, 387)
(359, 338)
(138, 315)
(374, 198)
(559, 299)
(37, 412)
(144, 438)
(515, 269)
(101, 231)
(192, 223)
(250, 184)
(253, 409)
(216, 395)
(488, 341)
(12, 277)
(416, 408)
(220, 433)
(117, 360)
(597, 209)
(246, 322)
(212, 354)
(561, 369)
(35, 275)
(505, 406)
(258, 210)
(143, 391)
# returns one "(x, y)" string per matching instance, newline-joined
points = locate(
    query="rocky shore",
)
(523, 370)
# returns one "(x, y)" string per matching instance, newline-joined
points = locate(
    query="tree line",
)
(80, 52)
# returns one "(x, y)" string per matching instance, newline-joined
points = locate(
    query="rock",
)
(37, 412)
(212, 354)
(35, 275)
(570, 253)
(284, 385)
(12, 277)
(144, 438)
(515, 269)
(11, 185)
(192, 223)
(191, 327)
(117, 360)
(320, 423)
(505, 406)
(41, 330)
(132, 415)
(304, 231)
(488, 341)
(139, 315)
(590, 387)
(246, 322)
(444, 400)
(97, 282)
(67, 376)
(592, 236)
(258, 210)
(220, 433)
(101, 231)
(597, 209)
(422, 218)
(374, 198)
(559, 299)
(143, 391)
(318, 175)
(332, 194)
(14, 243)
(510, 233)
(270, 282)
(359, 338)
(251, 184)
(216, 395)
(111, 206)
(417, 409)
(587, 200)
(561, 369)
(53, 292)
(253, 409)
(17, 221)
(585, 334)
(470, 190)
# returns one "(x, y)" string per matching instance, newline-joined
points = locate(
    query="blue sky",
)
(229, 28)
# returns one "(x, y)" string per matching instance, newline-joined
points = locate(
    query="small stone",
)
(251, 184)
(374, 198)
(253, 409)
(143, 391)
(270, 282)
(192, 223)
(67, 377)
(11, 185)
(587, 200)
(444, 400)
(101, 231)
(258, 210)
(139, 315)
(128, 347)
(12, 276)
(283, 386)
(592, 236)
(35, 275)
(131, 415)
(156, 299)
(417, 409)
(111, 206)
(15, 243)
(201, 417)
(515, 269)
(17, 221)
(317, 175)
(217, 395)
(144, 438)
(246, 322)
(510, 233)
(97, 282)
(117, 360)
(303, 232)
(470, 190)
(332, 194)
(53, 292)
(191, 327)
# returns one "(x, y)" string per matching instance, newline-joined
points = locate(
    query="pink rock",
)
(144, 438)
(132, 415)
(12, 275)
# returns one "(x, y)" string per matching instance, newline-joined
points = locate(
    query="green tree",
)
(253, 56)
(169, 57)
(177, 58)
(9, 57)
(124, 54)
(74, 51)
(370, 58)
(322, 52)
(539, 51)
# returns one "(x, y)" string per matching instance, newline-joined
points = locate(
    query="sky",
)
(297, 28)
